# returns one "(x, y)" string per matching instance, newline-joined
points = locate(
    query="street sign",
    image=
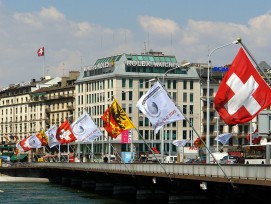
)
(264, 122)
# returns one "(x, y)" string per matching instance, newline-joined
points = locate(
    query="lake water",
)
(11, 193)
(48, 193)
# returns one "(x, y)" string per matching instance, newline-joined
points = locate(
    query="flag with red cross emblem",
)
(243, 93)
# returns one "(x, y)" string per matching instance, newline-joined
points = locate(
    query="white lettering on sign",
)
(25, 83)
(151, 64)
(193, 148)
(99, 66)
(243, 95)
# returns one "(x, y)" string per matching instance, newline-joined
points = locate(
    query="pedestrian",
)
(241, 159)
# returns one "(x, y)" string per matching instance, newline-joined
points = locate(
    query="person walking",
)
(241, 159)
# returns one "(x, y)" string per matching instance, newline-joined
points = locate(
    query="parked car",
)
(193, 161)
(170, 159)
(228, 160)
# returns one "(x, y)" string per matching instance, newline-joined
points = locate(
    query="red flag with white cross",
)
(243, 93)
(40, 52)
(64, 133)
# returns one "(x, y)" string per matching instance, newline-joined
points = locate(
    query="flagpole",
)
(162, 146)
(257, 66)
(131, 160)
(44, 66)
(109, 150)
(152, 152)
(253, 59)
(162, 129)
(217, 133)
(208, 150)
(250, 129)
(68, 151)
(92, 152)
(59, 152)
(122, 92)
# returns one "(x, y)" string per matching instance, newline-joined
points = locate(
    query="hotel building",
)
(31, 106)
(127, 77)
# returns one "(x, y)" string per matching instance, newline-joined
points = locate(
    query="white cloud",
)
(158, 25)
(83, 28)
(52, 13)
(81, 43)
(260, 29)
(27, 18)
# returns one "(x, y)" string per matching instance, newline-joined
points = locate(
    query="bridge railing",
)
(254, 172)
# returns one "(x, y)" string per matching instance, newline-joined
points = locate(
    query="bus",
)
(257, 154)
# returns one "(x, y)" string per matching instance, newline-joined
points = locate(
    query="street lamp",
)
(165, 74)
(208, 97)
(217, 130)
(183, 65)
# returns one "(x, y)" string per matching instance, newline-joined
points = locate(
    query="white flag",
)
(85, 129)
(224, 138)
(20, 148)
(33, 142)
(180, 143)
(51, 134)
(158, 107)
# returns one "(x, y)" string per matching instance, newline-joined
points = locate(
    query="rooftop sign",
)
(99, 66)
(220, 69)
(151, 64)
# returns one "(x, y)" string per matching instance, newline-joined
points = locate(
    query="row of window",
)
(94, 86)
(150, 58)
(157, 70)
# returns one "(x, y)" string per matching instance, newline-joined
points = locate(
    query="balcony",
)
(71, 107)
(61, 96)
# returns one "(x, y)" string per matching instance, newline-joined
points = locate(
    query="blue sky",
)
(76, 33)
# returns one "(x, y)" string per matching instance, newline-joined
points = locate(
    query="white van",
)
(217, 156)
(170, 159)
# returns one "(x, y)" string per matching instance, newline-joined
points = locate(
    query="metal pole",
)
(250, 132)
(162, 146)
(92, 151)
(132, 147)
(252, 58)
(165, 74)
(68, 153)
(208, 98)
(217, 133)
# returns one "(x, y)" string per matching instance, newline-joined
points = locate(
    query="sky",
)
(75, 33)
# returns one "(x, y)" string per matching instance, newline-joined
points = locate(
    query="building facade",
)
(127, 77)
(29, 107)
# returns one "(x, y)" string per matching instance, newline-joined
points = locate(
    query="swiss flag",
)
(255, 137)
(242, 93)
(155, 150)
(24, 145)
(40, 52)
(64, 133)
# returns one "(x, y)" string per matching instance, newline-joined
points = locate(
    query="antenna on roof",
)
(63, 68)
(171, 42)
(145, 49)
(148, 42)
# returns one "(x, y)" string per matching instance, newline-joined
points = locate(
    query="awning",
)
(15, 157)
(7, 154)
(7, 147)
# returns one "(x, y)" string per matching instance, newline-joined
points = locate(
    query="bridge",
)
(139, 178)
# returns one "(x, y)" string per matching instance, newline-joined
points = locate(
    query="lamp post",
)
(165, 74)
(217, 131)
(183, 65)
(208, 98)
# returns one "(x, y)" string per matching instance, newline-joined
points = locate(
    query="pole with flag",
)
(41, 53)
(242, 93)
